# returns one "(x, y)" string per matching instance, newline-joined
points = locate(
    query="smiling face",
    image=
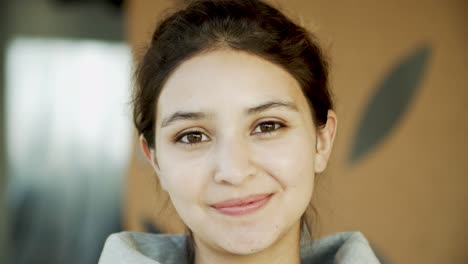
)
(235, 148)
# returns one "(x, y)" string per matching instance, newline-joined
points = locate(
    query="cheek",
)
(184, 175)
(290, 160)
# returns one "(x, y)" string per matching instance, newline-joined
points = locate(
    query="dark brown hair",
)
(250, 26)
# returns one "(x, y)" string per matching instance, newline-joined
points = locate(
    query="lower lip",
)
(244, 209)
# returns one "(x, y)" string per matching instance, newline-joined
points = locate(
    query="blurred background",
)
(71, 172)
(65, 128)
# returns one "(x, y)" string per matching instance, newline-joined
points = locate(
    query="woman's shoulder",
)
(144, 248)
(345, 247)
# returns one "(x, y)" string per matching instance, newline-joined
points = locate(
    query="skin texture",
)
(254, 134)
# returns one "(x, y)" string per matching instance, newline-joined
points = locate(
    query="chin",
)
(245, 249)
(246, 245)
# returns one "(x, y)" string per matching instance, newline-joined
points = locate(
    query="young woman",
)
(235, 116)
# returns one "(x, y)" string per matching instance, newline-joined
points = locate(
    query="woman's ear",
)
(324, 144)
(149, 154)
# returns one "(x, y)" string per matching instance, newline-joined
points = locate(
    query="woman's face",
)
(236, 150)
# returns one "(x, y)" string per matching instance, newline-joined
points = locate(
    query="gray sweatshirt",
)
(142, 248)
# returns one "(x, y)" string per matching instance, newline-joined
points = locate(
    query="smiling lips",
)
(242, 206)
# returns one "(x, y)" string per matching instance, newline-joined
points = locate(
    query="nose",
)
(232, 161)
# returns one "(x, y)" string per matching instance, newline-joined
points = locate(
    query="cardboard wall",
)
(408, 193)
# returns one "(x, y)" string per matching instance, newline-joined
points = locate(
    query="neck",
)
(284, 250)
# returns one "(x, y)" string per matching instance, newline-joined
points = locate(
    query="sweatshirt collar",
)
(143, 248)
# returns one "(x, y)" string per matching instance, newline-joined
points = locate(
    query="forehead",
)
(226, 79)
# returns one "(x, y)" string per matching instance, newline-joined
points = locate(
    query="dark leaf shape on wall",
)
(150, 227)
(390, 102)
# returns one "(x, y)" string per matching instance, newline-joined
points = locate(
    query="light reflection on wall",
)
(69, 136)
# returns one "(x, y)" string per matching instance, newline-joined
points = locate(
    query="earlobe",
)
(149, 154)
(324, 143)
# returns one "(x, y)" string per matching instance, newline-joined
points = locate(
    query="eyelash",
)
(277, 126)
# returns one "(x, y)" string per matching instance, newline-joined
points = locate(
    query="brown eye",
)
(193, 138)
(267, 127)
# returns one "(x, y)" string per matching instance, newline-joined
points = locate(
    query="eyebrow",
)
(181, 115)
(272, 104)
